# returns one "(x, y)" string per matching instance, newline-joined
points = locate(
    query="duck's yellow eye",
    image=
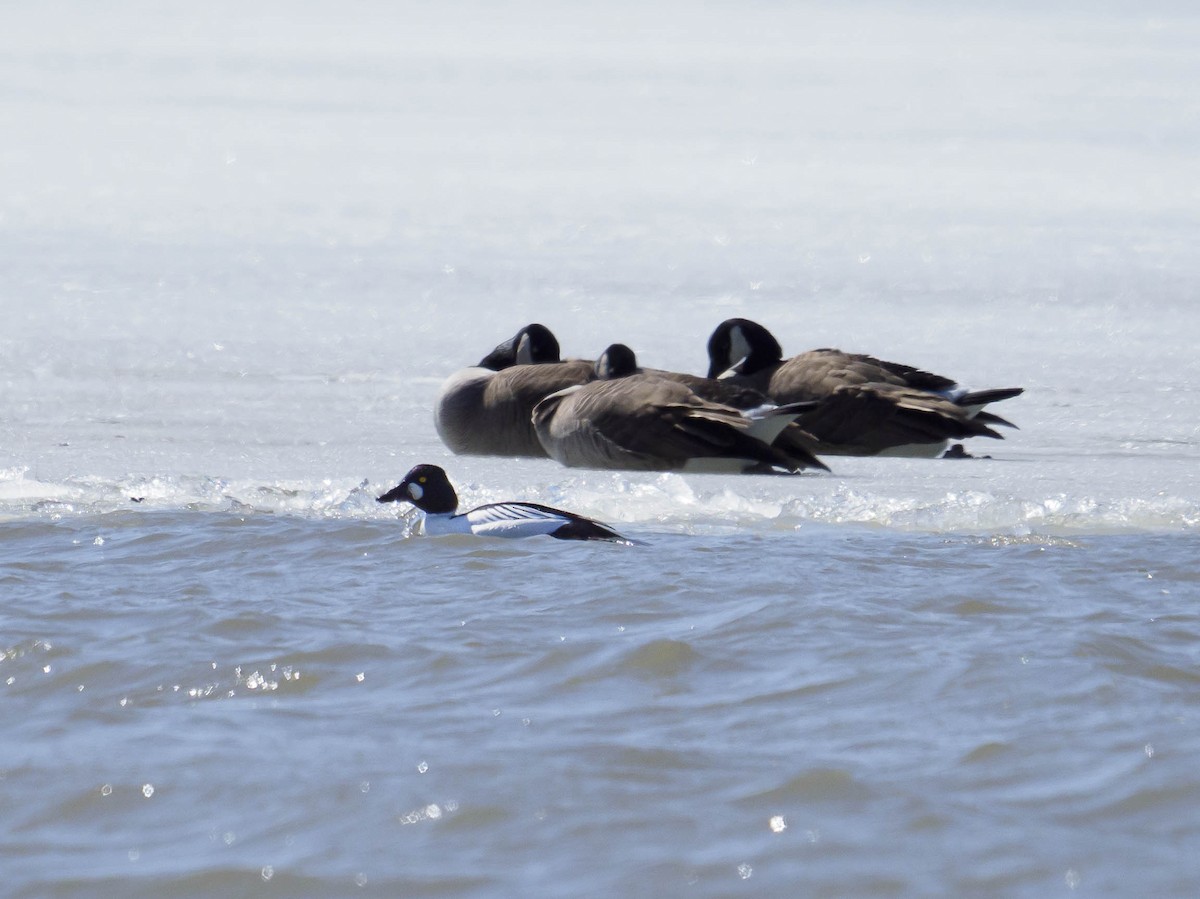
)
(422, 479)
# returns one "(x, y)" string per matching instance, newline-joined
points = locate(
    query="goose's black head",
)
(427, 488)
(741, 346)
(618, 361)
(532, 345)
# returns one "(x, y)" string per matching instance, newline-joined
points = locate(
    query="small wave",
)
(665, 502)
(21, 496)
(660, 658)
(815, 785)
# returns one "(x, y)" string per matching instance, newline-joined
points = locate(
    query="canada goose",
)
(629, 419)
(485, 410)
(869, 406)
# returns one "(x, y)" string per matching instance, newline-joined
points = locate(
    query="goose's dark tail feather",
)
(983, 397)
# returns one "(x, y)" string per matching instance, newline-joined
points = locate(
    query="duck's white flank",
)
(496, 520)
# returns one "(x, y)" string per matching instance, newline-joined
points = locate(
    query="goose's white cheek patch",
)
(739, 346)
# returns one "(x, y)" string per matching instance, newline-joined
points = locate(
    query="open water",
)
(240, 247)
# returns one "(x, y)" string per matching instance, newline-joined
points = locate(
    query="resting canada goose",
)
(869, 406)
(485, 410)
(428, 488)
(629, 419)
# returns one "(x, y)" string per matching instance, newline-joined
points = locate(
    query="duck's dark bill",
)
(392, 496)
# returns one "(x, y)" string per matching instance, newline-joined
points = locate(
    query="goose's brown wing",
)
(866, 420)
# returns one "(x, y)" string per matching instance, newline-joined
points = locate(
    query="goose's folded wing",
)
(879, 417)
(818, 373)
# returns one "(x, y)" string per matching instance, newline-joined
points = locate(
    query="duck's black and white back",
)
(429, 489)
(868, 406)
(485, 410)
(641, 421)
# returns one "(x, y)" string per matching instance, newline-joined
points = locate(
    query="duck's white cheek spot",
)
(415, 491)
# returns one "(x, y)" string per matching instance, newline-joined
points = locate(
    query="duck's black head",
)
(742, 346)
(427, 488)
(532, 345)
(618, 361)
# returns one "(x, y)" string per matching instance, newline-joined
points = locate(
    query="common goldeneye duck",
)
(645, 421)
(485, 410)
(868, 406)
(428, 488)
